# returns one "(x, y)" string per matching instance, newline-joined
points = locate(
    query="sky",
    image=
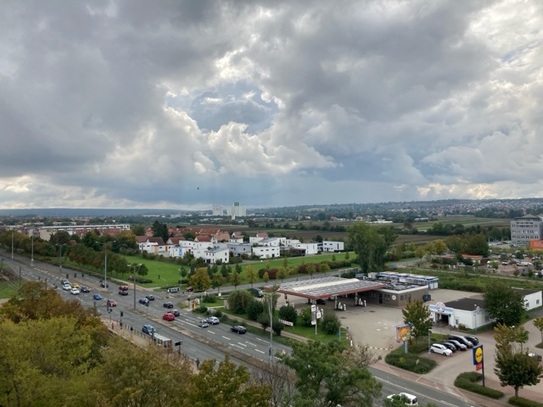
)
(186, 104)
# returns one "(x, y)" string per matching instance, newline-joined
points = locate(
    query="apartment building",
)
(525, 229)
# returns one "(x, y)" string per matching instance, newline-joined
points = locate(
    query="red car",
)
(111, 303)
(168, 316)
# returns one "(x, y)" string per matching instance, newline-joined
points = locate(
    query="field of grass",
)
(8, 288)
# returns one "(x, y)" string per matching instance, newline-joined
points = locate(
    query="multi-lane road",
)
(197, 343)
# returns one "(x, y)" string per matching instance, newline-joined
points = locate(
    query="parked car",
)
(203, 323)
(150, 297)
(176, 312)
(213, 320)
(461, 339)
(173, 290)
(408, 399)
(238, 329)
(473, 339)
(441, 349)
(85, 289)
(148, 329)
(75, 291)
(111, 303)
(168, 305)
(536, 356)
(257, 292)
(97, 297)
(168, 316)
(450, 346)
(459, 345)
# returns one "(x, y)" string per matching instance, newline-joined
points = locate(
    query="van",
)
(257, 292)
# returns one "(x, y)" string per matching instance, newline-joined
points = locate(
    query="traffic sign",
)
(477, 354)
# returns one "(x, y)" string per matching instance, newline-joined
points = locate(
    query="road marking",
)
(258, 350)
(252, 344)
(242, 344)
(226, 337)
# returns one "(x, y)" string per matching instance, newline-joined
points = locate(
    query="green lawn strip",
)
(8, 288)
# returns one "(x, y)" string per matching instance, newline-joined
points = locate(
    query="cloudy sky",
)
(185, 104)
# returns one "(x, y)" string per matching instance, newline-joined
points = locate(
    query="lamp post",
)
(270, 298)
(32, 249)
(429, 340)
(12, 245)
(60, 258)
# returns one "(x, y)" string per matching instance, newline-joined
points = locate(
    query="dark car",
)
(168, 305)
(176, 312)
(472, 339)
(238, 329)
(462, 339)
(450, 346)
(459, 345)
(103, 284)
(144, 301)
(150, 297)
(97, 297)
(148, 329)
(85, 289)
(121, 292)
(257, 292)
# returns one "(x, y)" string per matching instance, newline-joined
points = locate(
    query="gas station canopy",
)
(326, 287)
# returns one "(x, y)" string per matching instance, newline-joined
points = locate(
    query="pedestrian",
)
(198, 364)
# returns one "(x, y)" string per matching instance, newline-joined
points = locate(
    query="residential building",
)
(331, 246)
(526, 228)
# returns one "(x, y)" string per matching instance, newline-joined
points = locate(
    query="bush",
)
(277, 327)
(330, 323)
(239, 300)
(410, 361)
(254, 309)
(202, 309)
(209, 298)
(522, 402)
(288, 313)
(469, 381)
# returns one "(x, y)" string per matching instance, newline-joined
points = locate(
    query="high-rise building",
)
(237, 210)
(526, 228)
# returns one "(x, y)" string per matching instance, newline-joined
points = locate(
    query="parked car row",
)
(454, 343)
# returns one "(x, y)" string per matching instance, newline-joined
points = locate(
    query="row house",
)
(267, 252)
(258, 237)
(331, 246)
(152, 245)
(239, 249)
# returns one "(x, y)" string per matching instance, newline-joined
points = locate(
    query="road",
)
(197, 343)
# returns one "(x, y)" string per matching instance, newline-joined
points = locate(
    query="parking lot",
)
(374, 326)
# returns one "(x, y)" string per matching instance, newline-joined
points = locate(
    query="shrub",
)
(410, 361)
(522, 402)
(277, 327)
(254, 309)
(288, 313)
(469, 381)
(330, 323)
(202, 309)
(239, 300)
(209, 298)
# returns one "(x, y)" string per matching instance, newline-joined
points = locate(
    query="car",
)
(461, 339)
(441, 349)
(148, 329)
(150, 297)
(144, 301)
(213, 320)
(168, 316)
(238, 329)
(121, 292)
(459, 345)
(103, 284)
(321, 301)
(123, 287)
(66, 287)
(168, 305)
(450, 346)
(257, 292)
(535, 356)
(85, 289)
(76, 286)
(97, 297)
(75, 291)
(176, 312)
(64, 282)
(111, 303)
(203, 323)
(472, 339)
(173, 290)
(408, 399)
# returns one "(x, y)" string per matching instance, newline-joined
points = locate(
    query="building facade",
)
(525, 229)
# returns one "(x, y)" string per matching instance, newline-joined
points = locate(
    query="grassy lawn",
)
(165, 274)
(8, 288)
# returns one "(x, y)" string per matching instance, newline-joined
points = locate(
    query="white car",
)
(409, 399)
(213, 320)
(441, 349)
(75, 291)
(66, 287)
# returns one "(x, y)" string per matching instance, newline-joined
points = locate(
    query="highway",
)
(213, 342)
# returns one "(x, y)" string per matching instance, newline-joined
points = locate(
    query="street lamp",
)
(12, 246)
(32, 249)
(429, 340)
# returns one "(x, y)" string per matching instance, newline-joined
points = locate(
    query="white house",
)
(331, 246)
(267, 252)
(259, 236)
(532, 298)
(152, 245)
(217, 253)
(239, 249)
(310, 248)
(466, 312)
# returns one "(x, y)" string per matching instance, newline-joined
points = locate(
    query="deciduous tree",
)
(503, 303)
(418, 315)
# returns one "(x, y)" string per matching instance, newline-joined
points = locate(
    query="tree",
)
(417, 314)
(327, 375)
(251, 274)
(503, 303)
(239, 300)
(235, 279)
(288, 313)
(200, 280)
(160, 230)
(226, 385)
(369, 245)
(217, 281)
(517, 370)
(538, 322)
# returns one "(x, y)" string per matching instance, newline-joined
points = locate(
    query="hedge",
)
(469, 381)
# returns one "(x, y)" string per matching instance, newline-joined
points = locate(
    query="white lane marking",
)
(227, 338)
(258, 350)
